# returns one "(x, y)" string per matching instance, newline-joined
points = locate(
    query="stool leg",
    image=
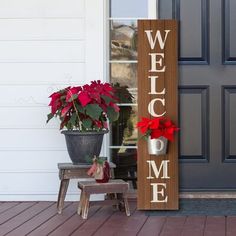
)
(120, 198)
(112, 196)
(126, 204)
(86, 207)
(62, 194)
(81, 203)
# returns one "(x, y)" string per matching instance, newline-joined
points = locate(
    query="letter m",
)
(152, 167)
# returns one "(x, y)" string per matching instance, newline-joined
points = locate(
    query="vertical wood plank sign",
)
(157, 97)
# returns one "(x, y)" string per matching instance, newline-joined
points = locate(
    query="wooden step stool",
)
(92, 187)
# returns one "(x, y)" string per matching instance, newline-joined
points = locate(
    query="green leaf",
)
(106, 99)
(94, 111)
(62, 98)
(73, 119)
(112, 114)
(50, 116)
(73, 97)
(87, 123)
(80, 108)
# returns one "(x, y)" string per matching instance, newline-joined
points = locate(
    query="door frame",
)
(152, 14)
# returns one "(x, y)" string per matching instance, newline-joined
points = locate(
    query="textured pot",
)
(83, 146)
(157, 146)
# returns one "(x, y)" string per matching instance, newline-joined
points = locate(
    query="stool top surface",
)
(94, 183)
(80, 166)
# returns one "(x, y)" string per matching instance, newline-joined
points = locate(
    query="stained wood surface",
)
(69, 171)
(92, 187)
(66, 166)
(41, 218)
(169, 81)
(113, 186)
(116, 182)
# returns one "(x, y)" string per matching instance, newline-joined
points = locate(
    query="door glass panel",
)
(129, 8)
(123, 43)
(124, 77)
(123, 132)
(123, 74)
(126, 164)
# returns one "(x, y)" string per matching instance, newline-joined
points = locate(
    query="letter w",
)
(158, 37)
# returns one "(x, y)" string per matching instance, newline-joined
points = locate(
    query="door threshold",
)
(197, 195)
(204, 195)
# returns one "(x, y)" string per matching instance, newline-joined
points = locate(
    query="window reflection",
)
(123, 40)
(125, 74)
(124, 130)
(130, 8)
(123, 49)
(126, 164)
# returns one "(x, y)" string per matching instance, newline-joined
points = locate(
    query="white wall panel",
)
(42, 29)
(35, 184)
(42, 51)
(37, 187)
(41, 73)
(30, 118)
(31, 161)
(95, 40)
(23, 95)
(41, 8)
(45, 45)
(31, 139)
(46, 182)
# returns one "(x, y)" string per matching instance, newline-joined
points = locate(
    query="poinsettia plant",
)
(157, 127)
(85, 108)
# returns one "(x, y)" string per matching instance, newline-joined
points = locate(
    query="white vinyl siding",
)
(45, 45)
(42, 9)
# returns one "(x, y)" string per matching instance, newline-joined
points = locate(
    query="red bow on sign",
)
(157, 127)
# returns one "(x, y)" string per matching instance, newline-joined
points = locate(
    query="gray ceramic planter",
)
(82, 146)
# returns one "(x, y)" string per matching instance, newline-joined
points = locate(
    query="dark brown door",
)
(207, 92)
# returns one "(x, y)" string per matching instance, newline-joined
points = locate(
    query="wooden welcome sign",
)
(157, 97)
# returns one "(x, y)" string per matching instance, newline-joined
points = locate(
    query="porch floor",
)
(41, 218)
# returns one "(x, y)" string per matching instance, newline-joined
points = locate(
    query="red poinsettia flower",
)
(71, 92)
(156, 133)
(168, 129)
(143, 125)
(157, 127)
(98, 123)
(55, 102)
(116, 108)
(85, 108)
(66, 109)
(84, 98)
(154, 123)
(95, 96)
(148, 124)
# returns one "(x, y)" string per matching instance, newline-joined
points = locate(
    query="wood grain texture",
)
(215, 225)
(169, 81)
(41, 218)
(55, 221)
